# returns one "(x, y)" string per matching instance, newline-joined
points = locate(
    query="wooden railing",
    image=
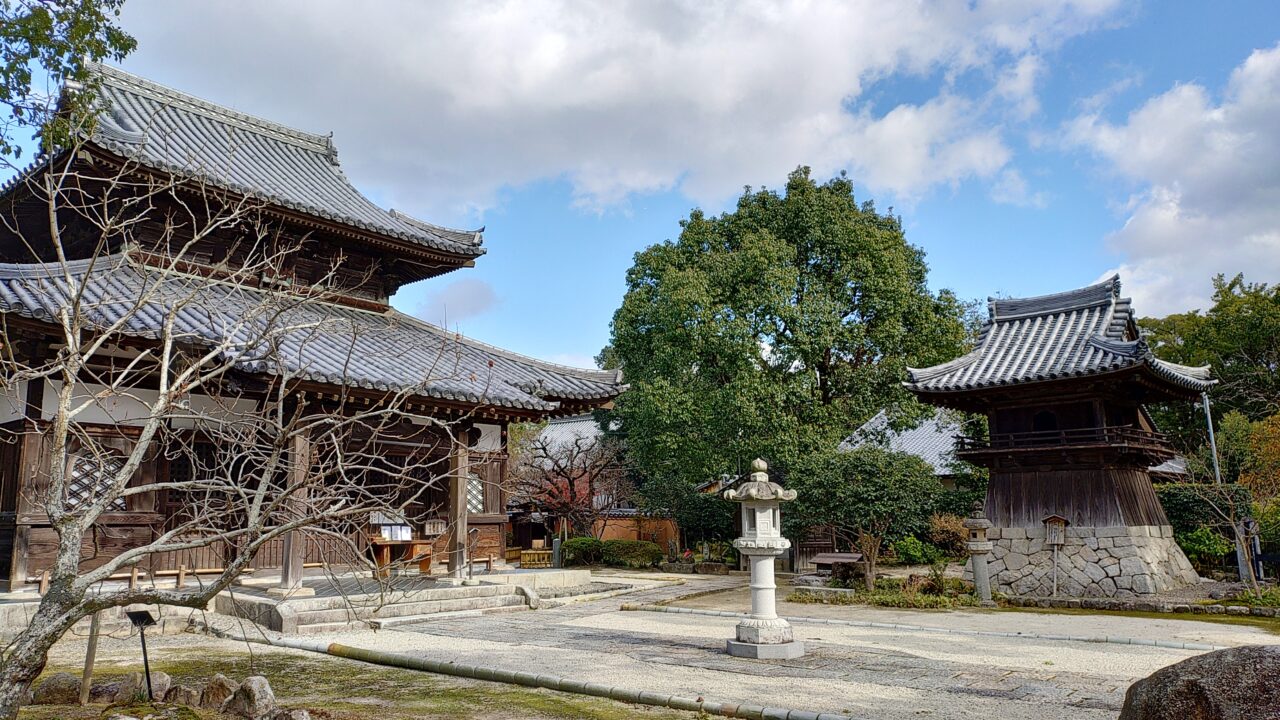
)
(1113, 435)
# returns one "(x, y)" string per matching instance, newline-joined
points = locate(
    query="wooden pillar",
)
(457, 549)
(294, 542)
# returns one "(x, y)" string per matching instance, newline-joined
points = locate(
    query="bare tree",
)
(238, 380)
(579, 479)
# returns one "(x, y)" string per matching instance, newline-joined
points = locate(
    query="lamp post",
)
(762, 635)
(979, 546)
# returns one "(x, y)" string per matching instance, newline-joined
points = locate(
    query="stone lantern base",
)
(765, 640)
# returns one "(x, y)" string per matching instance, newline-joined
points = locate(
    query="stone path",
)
(865, 672)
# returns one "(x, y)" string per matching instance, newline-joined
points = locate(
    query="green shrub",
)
(631, 553)
(1265, 598)
(582, 551)
(1203, 545)
(1189, 506)
(912, 551)
(1268, 517)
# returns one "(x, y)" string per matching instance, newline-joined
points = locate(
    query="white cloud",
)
(1018, 84)
(459, 300)
(1209, 174)
(1010, 188)
(437, 105)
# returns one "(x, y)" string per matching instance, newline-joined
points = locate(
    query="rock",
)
(118, 716)
(217, 691)
(1233, 684)
(253, 700)
(711, 568)
(57, 689)
(134, 687)
(103, 692)
(283, 714)
(676, 567)
(188, 695)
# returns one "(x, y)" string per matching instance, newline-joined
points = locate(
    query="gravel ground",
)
(865, 672)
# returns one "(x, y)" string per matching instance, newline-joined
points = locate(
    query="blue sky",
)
(1030, 147)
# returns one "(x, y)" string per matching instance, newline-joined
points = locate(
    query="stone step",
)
(385, 623)
(336, 602)
(484, 602)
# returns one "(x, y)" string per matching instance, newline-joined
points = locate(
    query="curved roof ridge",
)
(171, 96)
(585, 373)
(473, 236)
(1107, 291)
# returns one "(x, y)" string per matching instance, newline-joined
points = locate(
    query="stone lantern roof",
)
(759, 487)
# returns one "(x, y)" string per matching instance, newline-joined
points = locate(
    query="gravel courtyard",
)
(864, 672)
(860, 671)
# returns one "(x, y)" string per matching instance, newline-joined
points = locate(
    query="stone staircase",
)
(338, 613)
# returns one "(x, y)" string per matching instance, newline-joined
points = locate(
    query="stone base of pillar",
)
(765, 639)
(766, 651)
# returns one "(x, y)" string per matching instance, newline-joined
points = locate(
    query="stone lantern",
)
(979, 547)
(763, 634)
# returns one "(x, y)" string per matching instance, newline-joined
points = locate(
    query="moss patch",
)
(339, 689)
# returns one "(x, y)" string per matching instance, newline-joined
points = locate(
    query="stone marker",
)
(762, 635)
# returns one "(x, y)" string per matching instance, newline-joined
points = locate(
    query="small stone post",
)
(762, 635)
(979, 546)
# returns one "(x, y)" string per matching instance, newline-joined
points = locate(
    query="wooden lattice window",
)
(475, 494)
(92, 475)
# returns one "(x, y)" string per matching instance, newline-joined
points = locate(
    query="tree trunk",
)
(29, 652)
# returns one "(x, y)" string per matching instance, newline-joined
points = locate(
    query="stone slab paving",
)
(866, 672)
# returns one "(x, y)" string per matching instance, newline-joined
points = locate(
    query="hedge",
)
(631, 553)
(582, 551)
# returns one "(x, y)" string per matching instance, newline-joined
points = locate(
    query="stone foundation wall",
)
(1094, 562)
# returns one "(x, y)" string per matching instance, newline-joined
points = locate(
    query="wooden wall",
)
(1087, 496)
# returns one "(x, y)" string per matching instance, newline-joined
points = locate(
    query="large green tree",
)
(50, 42)
(1240, 337)
(772, 331)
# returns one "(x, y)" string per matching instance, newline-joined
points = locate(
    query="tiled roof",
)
(562, 432)
(933, 440)
(317, 341)
(171, 131)
(1083, 332)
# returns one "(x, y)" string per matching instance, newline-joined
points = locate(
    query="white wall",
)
(13, 402)
(490, 438)
(132, 407)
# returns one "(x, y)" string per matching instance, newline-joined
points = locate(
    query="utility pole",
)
(1243, 565)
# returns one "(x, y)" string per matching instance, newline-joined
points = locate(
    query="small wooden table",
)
(386, 552)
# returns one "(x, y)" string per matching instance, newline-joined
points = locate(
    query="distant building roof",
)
(171, 131)
(1079, 333)
(562, 432)
(933, 440)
